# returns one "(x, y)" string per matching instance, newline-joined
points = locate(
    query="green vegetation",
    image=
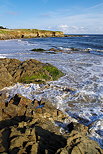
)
(27, 33)
(39, 77)
(27, 30)
(47, 73)
(53, 71)
(3, 31)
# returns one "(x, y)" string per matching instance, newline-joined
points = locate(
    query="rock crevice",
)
(29, 127)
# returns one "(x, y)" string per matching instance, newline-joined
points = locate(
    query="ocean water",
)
(80, 92)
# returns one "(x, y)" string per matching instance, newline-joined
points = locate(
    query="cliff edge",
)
(27, 33)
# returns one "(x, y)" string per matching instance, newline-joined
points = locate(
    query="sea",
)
(79, 93)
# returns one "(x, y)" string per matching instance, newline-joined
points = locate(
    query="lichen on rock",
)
(29, 71)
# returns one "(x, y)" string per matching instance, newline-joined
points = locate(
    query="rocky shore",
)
(37, 127)
(33, 127)
(29, 71)
(27, 33)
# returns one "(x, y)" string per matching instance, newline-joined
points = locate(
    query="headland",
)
(27, 33)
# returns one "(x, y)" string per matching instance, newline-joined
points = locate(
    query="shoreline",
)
(7, 34)
(26, 124)
(44, 115)
(41, 126)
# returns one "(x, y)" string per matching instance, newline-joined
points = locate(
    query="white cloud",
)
(63, 26)
(96, 6)
(67, 29)
(71, 29)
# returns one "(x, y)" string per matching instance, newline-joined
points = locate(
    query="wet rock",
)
(34, 133)
(29, 71)
(3, 96)
(78, 143)
(24, 128)
(38, 50)
(5, 77)
(82, 129)
(56, 50)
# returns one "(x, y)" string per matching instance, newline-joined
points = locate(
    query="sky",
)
(69, 16)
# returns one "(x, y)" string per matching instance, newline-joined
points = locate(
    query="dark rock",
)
(56, 50)
(38, 50)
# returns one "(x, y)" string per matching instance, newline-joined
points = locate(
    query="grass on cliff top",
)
(47, 73)
(3, 31)
(35, 30)
(25, 30)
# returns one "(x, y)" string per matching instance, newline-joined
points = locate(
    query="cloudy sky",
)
(70, 16)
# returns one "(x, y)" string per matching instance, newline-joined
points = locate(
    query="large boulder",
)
(29, 71)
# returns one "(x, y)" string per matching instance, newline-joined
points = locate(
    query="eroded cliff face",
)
(27, 33)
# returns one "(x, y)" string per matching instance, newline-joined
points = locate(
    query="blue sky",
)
(70, 16)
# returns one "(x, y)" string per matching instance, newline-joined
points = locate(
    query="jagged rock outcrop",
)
(28, 33)
(29, 127)
(80, 144)
(5, 77)
(29, 71)
(25, 127)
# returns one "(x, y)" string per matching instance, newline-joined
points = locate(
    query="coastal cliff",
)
(27, 33)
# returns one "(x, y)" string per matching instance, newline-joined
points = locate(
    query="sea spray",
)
(84, 75)
(61, 97)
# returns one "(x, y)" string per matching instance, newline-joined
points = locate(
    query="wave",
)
(61, 96)
(1, 56)
(97, 44)
(89, 50)
(27, 43)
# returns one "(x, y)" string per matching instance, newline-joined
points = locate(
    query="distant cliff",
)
(27, 33)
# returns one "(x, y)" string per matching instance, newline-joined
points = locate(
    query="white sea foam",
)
(2, 56)
(26, 43)
(96, 132)
(93, 51)
(84, 78)
(61, 97)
